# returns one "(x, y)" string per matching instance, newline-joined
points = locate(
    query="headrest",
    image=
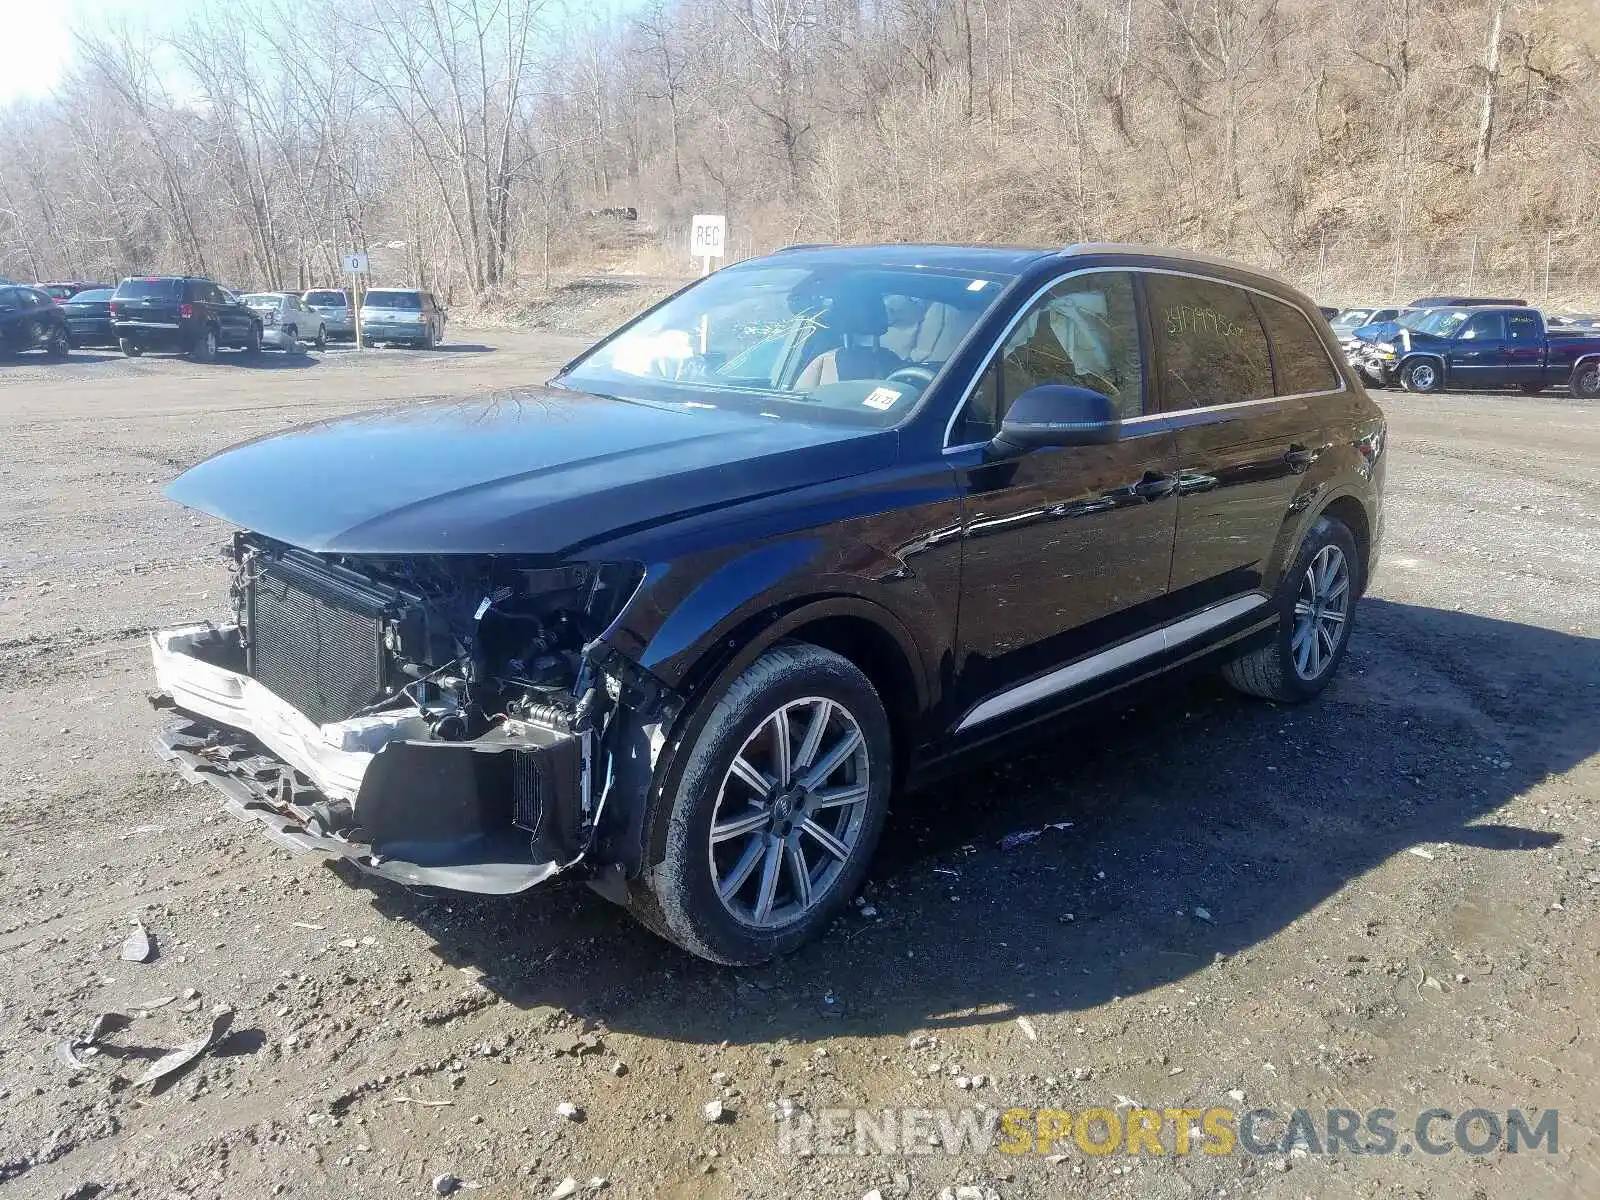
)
(857, 313)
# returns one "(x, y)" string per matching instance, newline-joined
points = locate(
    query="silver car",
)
(402, 315)
(285, 321)
(333, 304)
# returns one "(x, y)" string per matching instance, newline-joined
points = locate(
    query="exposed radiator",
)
(315, 640)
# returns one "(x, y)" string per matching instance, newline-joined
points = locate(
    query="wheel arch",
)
(1417, 355)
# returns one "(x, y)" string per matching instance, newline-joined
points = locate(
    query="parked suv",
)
(31, 320)
(333, 305)
(285, 321)
(402, 315)
(185, 313)
(680, 622)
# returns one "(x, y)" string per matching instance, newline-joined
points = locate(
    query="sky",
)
(36, 37)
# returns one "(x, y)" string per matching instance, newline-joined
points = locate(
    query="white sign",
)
(355, 264)
(708, 236)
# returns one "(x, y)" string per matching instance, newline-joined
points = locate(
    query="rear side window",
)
(1299, 360)
(150, 289)
(1523, 327)
(1211, 346)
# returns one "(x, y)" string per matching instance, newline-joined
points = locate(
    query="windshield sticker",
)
(881, 398)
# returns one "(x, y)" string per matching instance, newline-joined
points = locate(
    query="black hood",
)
(542, 471)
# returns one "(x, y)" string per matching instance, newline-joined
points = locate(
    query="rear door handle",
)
(1154, 486)
(1299, 458)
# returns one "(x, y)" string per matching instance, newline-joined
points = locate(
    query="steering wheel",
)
(922, 376)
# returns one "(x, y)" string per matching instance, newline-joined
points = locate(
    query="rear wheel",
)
(1316, 604)
(1586, 379)
(1422, 375)
(205, 344)
(57, 345)
(130, 347)
(768, 828)
(322, 337)
(252, 340)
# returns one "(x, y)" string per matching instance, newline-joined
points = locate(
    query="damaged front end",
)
(453, 721)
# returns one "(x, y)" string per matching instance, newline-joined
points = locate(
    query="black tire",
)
(129, 347)
(293, 346)
(252, 340)
(1271, 671)
(676, 895)
(57, 344)
(1586, 379)
(1532, 389)
(322, 337)
(205, 345)
(1422, 375)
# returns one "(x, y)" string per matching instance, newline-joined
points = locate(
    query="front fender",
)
(682, 631)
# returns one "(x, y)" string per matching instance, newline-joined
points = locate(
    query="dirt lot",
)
(1238, 914)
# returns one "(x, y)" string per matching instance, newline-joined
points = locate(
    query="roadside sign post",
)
(355, 266)
(708, 236)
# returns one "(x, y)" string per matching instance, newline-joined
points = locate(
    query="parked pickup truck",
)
(1497, 348)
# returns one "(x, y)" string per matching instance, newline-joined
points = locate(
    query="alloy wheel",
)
(1422, 377)
(1321, 613)
(790, 812)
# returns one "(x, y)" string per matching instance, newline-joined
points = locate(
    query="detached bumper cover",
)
(495, 815)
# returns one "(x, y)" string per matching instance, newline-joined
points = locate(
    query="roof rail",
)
(1174, 254)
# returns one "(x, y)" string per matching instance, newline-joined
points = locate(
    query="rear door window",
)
(1522, 327)
(1210, 344)
(1299, 360)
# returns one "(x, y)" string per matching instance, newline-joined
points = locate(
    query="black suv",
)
(30, 319)
(806, 532)
(186, 313)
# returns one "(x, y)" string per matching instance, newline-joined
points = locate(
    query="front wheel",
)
(772, 821)
(252, 340)
(322, 337)
(1422, 375)
(1586, 379)
(1316, 604)
(129, 347)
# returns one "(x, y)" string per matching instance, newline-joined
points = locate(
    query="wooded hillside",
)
(1368, 148)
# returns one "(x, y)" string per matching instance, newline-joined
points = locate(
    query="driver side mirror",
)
(1058, 415)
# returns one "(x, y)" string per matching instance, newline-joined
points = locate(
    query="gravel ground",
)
(1385, 899)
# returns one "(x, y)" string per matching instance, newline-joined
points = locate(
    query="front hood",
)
(1381, 331)
(542, 471)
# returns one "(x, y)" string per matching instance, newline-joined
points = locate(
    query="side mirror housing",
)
(1058, 415)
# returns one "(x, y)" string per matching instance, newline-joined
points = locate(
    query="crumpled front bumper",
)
(495, 815)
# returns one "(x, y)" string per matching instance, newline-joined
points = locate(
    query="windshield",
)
(92, 296)
(150, 289)
(409, 301)
(843, 342)
(1351, 319)
(336, 298)
(1442, 321)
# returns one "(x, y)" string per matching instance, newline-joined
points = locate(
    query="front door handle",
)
(1154, 486)
(1299, 458)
